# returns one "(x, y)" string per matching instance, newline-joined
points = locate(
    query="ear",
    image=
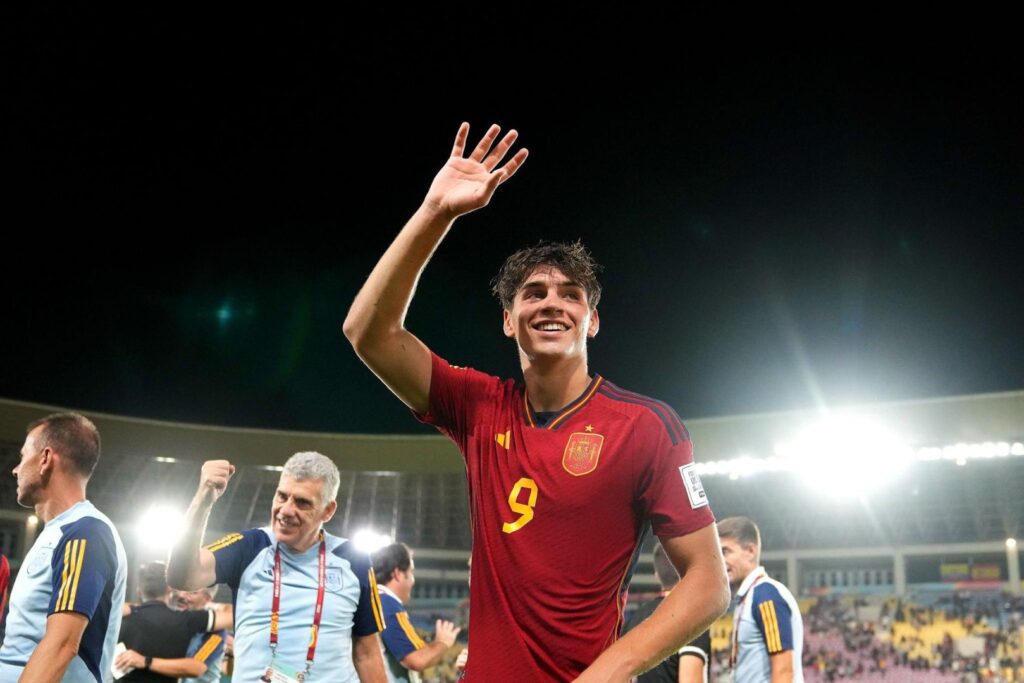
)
(506, 324)
(595, 323)
(329, 511)
(47, 462)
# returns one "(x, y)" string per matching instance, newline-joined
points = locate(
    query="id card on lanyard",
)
(278, 672)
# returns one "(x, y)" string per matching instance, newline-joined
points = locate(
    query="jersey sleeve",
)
(400, 638)
(455, 394)
(199, 620)
(773, 617)
(233, 553)
(670, 491)
(698, 647)
(209, 648)
(84, 561)
(369, 616)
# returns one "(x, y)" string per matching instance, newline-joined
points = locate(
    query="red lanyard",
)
(738, 616)
(275, 606)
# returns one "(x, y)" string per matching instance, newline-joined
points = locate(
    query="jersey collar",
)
(752, 578)
(565, 413)
(387, 591)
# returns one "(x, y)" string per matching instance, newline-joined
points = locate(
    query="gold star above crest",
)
(590, 428)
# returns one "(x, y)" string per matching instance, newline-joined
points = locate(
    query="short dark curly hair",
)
(572, 258)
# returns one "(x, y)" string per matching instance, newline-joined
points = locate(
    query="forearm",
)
(425, 657)
(381, 304)
(184, 667)
(679, 619)
(184, 567)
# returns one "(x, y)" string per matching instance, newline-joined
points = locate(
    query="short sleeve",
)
(209, 648)
(84, 562)
(400, 638)
(198, 620)
(773, 617)
(369, 616)
(234, 552)
(670, 491)
(455, 392)
(698, 647)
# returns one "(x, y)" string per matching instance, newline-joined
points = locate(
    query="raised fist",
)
(213, 480)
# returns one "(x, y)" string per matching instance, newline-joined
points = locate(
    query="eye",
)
(281, 496)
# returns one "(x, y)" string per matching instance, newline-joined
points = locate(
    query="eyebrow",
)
(532, 284)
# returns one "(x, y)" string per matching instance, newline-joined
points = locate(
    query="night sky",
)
(190, 211)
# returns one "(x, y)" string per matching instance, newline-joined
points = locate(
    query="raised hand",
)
(213, 480)
(445, 632)
(466, 184)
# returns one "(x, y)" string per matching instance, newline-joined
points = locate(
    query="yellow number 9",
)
(525, 510)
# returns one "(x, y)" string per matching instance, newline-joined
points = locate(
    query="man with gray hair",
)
(306, 602)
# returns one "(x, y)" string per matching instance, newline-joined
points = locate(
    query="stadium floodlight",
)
(159, 527)
(1011, 543)
(368, 540)
(846, 456)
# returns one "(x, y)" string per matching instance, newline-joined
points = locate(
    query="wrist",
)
(147, 662)
(434, 211)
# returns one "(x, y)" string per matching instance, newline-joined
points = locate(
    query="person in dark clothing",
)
(690, 664)
(157, 637)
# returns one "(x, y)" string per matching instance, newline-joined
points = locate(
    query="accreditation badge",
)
(282, 673)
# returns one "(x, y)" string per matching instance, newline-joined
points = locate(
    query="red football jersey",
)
(559, 512)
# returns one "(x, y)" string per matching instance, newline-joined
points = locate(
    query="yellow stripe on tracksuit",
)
(378, 610)
(208, 647)
(410, 632)
(74, 556)
(772, 637)
(224, 542)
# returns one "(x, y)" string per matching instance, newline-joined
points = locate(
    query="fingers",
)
(496, 155)
(215, 474)
(513, 165)
(459, 148)
(485, 143)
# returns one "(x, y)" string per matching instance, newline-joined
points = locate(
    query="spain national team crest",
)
(581, 453)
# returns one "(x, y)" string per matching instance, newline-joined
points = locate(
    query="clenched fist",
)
(213, 480)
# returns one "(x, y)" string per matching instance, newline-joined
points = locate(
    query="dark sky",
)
(190, 211)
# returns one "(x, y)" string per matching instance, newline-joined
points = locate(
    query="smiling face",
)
(740, 560)
(298, 512)
(551, 317)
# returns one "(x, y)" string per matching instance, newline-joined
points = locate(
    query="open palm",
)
(466, 184)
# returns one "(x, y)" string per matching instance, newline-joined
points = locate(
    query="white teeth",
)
(552, 327)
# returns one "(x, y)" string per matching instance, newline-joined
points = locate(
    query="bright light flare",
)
(368, 540)
(847, 456)
(159, 527)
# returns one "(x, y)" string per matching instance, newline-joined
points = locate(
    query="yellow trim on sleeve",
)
(62, 594)
(378, 609)
(208, 647)
(224, 542)
(78, 573)
(772, 636)
(409, 630)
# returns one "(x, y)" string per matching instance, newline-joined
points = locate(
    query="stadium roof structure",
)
(960, 482)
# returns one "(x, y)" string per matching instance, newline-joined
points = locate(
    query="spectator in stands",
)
(157, 638)
(405, 653)
(300, 626)
(65, 607)
(767, 632)
(206, 647)
(690, 664)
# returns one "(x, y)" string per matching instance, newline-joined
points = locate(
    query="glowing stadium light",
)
(159, 527)
(161, 458)
(846, 456)
(33, 521)
(1011, 543)
(368, 540)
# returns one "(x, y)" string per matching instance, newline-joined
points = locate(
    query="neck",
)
(390, 586)
(304, 545)
(58, 500)
(553, 385)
